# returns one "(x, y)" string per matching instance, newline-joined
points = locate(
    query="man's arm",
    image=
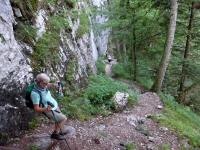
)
(52, 85)
(35, 97)
(39, 109)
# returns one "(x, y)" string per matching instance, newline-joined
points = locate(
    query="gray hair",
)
(42, 77)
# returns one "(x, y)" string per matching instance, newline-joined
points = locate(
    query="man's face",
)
(43, 84)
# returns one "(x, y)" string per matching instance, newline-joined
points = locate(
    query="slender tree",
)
(186, 54)
(133, 47)
(182, 91)
(167, 52)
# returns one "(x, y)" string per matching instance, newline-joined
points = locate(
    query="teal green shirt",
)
(46, 97)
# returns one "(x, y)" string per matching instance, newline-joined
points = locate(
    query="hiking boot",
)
(63, 132)
(57, 136)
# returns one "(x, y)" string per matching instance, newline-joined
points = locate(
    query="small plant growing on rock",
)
(84, 25)
(130, 146)
(34, 147)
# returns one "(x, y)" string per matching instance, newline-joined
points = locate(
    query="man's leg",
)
(59, 125)
(59, 120)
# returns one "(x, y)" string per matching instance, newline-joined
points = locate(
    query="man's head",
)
(42, 80)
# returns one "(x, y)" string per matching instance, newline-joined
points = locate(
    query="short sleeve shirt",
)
(46, 98)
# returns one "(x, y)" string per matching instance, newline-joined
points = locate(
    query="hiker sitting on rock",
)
(44, 103)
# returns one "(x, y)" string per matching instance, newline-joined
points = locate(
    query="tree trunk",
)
(186, 54)
(119, 55)
(196, 5)
(125, 52)
(167, 53)
(134, 58)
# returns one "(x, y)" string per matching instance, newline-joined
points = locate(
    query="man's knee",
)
(65, 119)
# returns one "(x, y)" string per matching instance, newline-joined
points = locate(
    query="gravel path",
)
(115, 132)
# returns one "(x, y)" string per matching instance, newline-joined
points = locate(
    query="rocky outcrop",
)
(101, 37)
(76, 57)
(15, 72)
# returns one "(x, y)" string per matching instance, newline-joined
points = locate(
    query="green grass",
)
(96, 99)
(130, 146)
(181, 119)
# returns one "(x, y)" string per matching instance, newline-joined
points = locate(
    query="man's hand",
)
(54, 85)
(40, 109)
(49, 108)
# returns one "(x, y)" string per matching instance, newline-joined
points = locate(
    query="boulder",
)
(120, 99)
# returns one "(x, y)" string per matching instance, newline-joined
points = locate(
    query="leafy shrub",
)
(130, 146)
(2, 39)
(84, 25)
(33, 147)
(146, 82)
(52, 2)
(101, 89)
(133, 96)
(58, 22)
(33, 123)
(46, 51)
(75, 108)
(95, 99)
(74, 14)
(26, 33)
(165, 147)
(146, 73)
(32, 5)
(81, 108)
(100, 66)
(28, 7)
(4, 138)
(122, 70)
(46, 48)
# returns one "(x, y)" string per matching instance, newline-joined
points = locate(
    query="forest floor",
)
(129, 129)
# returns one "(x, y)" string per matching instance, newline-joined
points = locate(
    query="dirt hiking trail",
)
(133, 127)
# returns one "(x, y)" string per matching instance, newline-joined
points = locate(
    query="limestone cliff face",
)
(76, 59)
(14, 72)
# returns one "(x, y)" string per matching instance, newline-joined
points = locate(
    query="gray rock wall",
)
(14, 73)
(77, 58)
